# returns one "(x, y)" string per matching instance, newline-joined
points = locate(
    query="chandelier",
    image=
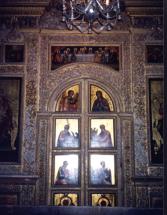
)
(89, 16)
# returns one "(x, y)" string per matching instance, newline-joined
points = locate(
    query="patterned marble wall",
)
(127, 161)
(31, 102)
(141, 73)
(42, 160)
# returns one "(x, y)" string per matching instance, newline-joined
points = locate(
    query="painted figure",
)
(8, 127)
(103, 139)
(100, 104)
(63, 174)
(67, 138)
(104, 174)
(69, 102)
(101, 175)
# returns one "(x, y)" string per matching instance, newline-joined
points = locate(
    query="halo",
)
(65, 201)
(102, 200)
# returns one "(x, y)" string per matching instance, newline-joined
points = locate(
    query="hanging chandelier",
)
(89, 16)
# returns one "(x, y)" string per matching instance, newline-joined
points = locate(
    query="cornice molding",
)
(143, 3)
(17, 3)
(144, 11)
(21, 11)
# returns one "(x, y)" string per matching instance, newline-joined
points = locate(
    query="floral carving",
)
(29, 150)
(142, 197)
(42, 158)
(128, 161)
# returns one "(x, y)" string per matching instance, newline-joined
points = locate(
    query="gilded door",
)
(85, 152)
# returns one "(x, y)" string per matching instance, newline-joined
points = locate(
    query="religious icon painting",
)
(66, 170)
(100, 101)
(156, 104)
(65, 199)
(102, 169)
(103, 199)
(102, 133)
(10, 111)
(66, 133)
(154, 54)
(69, 100)
(105, 55)
(14, 53)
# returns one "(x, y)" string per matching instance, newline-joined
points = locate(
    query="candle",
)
(107, 2)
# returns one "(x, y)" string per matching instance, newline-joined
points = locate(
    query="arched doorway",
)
(86, 151)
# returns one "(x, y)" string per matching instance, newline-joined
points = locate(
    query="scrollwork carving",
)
(12, 70)
(128, 161)
(28, 195)
(29, 150)
(142, 197)
(42, 158)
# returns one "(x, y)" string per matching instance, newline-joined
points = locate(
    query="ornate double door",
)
(85, 153)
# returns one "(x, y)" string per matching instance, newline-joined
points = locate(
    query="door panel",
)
(84, 147)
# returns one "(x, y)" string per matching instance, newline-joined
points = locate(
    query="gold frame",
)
(54, 133)
(54, 166)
